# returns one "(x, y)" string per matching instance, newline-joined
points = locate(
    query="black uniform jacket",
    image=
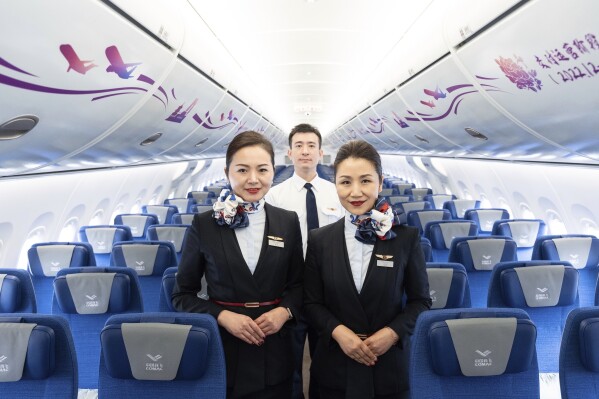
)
(397, 267)
(213, 250)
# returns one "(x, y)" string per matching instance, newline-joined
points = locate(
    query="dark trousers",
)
(326, 393)
(279, 391)
(299, 339)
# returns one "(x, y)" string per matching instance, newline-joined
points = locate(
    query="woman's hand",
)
(380, 342)
(241, 326)
(272, 321)
(353, 346)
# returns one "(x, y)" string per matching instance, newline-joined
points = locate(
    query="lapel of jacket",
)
(341, 270)
(239, 270)
(268, 224)
(379, 279)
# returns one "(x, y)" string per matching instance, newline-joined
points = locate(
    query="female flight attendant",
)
(357, 272)
(251, 255)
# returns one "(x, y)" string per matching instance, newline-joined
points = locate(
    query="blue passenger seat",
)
(448, 285)
(101, 239)
(442, 233)
(16, 292)
(174, 233)
(137, 222)
(485, 218)
(524, 232)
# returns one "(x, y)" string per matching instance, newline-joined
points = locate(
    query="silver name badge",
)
(384, 263)
(274, 243)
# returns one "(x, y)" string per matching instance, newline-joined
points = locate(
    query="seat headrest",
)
(10, 293)
(27, 351)
(155, 351)
(539, 286)
(482, 346)
(589, 343)
(447, 286)
(93, 293)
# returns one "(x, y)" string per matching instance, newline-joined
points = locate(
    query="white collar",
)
(299, 182)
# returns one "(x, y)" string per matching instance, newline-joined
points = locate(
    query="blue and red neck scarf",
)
(376, 224)
(232, 210)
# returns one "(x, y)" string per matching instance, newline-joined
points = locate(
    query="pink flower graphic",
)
(518, 75)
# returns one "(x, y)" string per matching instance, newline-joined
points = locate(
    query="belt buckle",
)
(251, 305)
(362, 336)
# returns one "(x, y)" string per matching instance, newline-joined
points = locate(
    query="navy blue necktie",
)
(311, 210)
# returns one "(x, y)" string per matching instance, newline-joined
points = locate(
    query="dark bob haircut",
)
(248, 139)
(359, 149)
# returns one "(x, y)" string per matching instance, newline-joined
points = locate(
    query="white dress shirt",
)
(358, 253)
(250, 238)
(291, 195)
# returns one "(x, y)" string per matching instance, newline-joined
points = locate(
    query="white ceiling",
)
(313, 61)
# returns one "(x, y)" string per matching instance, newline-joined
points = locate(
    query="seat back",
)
(201, 197)
(582, 251)
(419, 219)
(174, 233)
(403, 187)
(16, 292)
(486, 353)
(547, 290)
(101, 239)
(427, 249)
(140, 352)
(149, 259)
(201, 208)
(418, 193)
(169, 278)
(438, 200)
(39, 348)
(579, 352)
(183, 218)
(163, 212)
(458, 207)
(47, 258)
(386, 192)
(485, 218)
(442, 233)
(405, 207)
(479, 255)
(137, 222)
(448, 285)
(523, 231)
(394, 199)
(86, 297)
(183, 205)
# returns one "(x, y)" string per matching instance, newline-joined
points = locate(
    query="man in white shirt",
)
(305, 152)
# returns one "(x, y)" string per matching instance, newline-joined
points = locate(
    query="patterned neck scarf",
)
(376, 224)
(233, 211)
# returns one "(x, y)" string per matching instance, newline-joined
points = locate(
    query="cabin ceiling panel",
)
(548, 80)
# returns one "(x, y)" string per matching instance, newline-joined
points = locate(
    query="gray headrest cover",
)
(54, 258)
(486, 218)
(462, 205)
(419, 193)
(159, 211)
(524, 233)
(412, 206)
(181, 204)
(439, 282)
(486, 253)
(440, 200)
(140, 258)
(542, 285)
(90, 291)
(428, 216)
(136, 223)
(453, 230)
(154, 349)
(13, 349)
(199, 195)
(101, 239)
(172, 234)
(483, 346)
(574, 250)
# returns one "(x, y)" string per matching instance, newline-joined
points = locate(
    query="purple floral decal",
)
(518, 75)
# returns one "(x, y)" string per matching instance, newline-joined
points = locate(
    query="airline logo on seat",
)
(484, 361)
(543, 295)
(3, 367)
(154, 366)
(101, 245)
(574, 259)
(91, 302)
(140, 265)
(433, 297)
(486, 260)
(55, 266)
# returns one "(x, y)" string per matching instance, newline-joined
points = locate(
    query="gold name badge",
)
(276, 241)
(384, 260)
